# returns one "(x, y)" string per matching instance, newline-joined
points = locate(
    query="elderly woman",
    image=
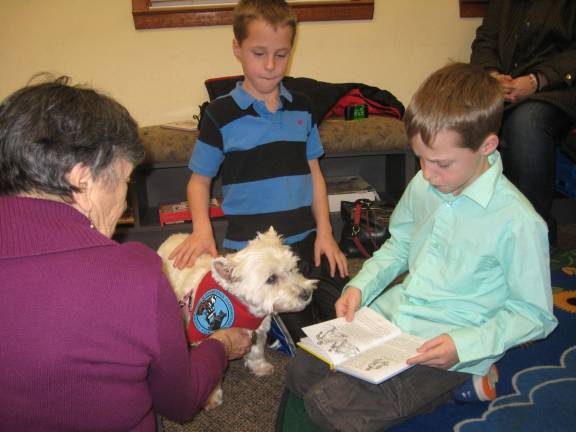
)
(91, 336)
(530, 48)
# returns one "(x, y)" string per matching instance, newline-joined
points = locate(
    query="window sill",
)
(151, 18)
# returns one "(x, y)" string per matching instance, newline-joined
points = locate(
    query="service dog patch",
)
(214, 308)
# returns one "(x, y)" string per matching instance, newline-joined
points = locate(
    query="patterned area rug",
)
(537, 381)
(250, 402)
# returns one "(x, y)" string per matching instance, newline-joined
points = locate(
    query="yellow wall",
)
(158, 74)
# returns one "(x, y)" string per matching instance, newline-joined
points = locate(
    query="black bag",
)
(365, 226)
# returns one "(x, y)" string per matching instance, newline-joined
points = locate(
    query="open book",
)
(370, 347)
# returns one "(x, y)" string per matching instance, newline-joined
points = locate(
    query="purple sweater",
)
(91, 336)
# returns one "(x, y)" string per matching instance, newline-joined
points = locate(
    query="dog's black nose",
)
(305, 295)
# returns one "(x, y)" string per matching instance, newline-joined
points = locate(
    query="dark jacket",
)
(518, 37)
(324, 95)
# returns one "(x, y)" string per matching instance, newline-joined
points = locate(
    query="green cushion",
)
(292, 416)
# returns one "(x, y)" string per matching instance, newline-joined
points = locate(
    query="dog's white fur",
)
(264, 276)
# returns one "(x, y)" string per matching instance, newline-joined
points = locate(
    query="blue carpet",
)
(537, 381)
(537, 384)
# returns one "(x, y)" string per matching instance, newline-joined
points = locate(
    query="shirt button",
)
(527, 23)
(515, 65)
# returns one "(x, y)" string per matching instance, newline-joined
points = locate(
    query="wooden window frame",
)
(151, 18)
(473, 8)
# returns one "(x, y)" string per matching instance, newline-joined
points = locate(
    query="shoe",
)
(279, 339)
(478, 388)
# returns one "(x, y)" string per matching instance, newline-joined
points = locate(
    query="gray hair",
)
(48, 128)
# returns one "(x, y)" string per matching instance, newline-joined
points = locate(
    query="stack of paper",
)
(347, 188)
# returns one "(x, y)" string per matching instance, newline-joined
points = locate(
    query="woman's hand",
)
(439, 352)
(325, 244)
(237, 341)
(348, 303)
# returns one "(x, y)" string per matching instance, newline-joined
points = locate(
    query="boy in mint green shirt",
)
(476, 253)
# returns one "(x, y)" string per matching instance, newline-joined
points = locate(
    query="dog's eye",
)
(272, 279)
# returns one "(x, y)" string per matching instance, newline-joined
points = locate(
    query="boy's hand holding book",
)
(439, 352)
(369, 347)
(348, 303)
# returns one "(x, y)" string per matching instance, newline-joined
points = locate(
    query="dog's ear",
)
(271, 231)
(222, 268)
(270, 236)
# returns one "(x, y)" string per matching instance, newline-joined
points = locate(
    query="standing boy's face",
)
(449, 167)
(264, 54)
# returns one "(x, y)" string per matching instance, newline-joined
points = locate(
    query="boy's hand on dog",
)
(196, 244)
(348, 303)
(237, 341)
(439, 352)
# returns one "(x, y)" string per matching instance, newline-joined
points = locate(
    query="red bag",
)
(356, 97)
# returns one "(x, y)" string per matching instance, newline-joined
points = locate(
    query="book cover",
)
(370, 347)
(347, 188)
(180, 212)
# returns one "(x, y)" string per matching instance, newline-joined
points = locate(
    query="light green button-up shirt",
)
(478, 268)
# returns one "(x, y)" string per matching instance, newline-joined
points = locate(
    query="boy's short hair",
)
(460, 97)
(274, 12)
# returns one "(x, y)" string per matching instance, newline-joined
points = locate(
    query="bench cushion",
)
(373, 134)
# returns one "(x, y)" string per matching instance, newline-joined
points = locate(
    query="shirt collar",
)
(481, 189)
(244, 99)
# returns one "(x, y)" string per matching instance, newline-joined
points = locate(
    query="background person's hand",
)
(505, 84)
(521, 88)
(196, 244)
(348, 303)
(237, 341)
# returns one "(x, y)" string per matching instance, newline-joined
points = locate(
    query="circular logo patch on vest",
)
(213, 311)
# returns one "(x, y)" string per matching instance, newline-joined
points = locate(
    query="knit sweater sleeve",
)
(181, 379)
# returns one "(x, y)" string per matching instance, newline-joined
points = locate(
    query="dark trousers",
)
(339, 402)
(530, 133)
(328, 290)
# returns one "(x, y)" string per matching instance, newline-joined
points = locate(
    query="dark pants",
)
(530, 133)
(328, 290)
(339, 402)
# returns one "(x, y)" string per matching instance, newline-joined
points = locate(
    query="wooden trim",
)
(473, 9)
(146, 18)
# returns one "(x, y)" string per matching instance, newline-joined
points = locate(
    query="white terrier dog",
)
(255, 282)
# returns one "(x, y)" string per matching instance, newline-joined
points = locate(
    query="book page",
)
(383, 361)
(340, 340)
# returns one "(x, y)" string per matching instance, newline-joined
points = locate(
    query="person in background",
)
(476, 254)
(266, 143)
(529, 46)
(91, 334)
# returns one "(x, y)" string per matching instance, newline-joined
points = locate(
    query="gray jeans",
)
(340, 402)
